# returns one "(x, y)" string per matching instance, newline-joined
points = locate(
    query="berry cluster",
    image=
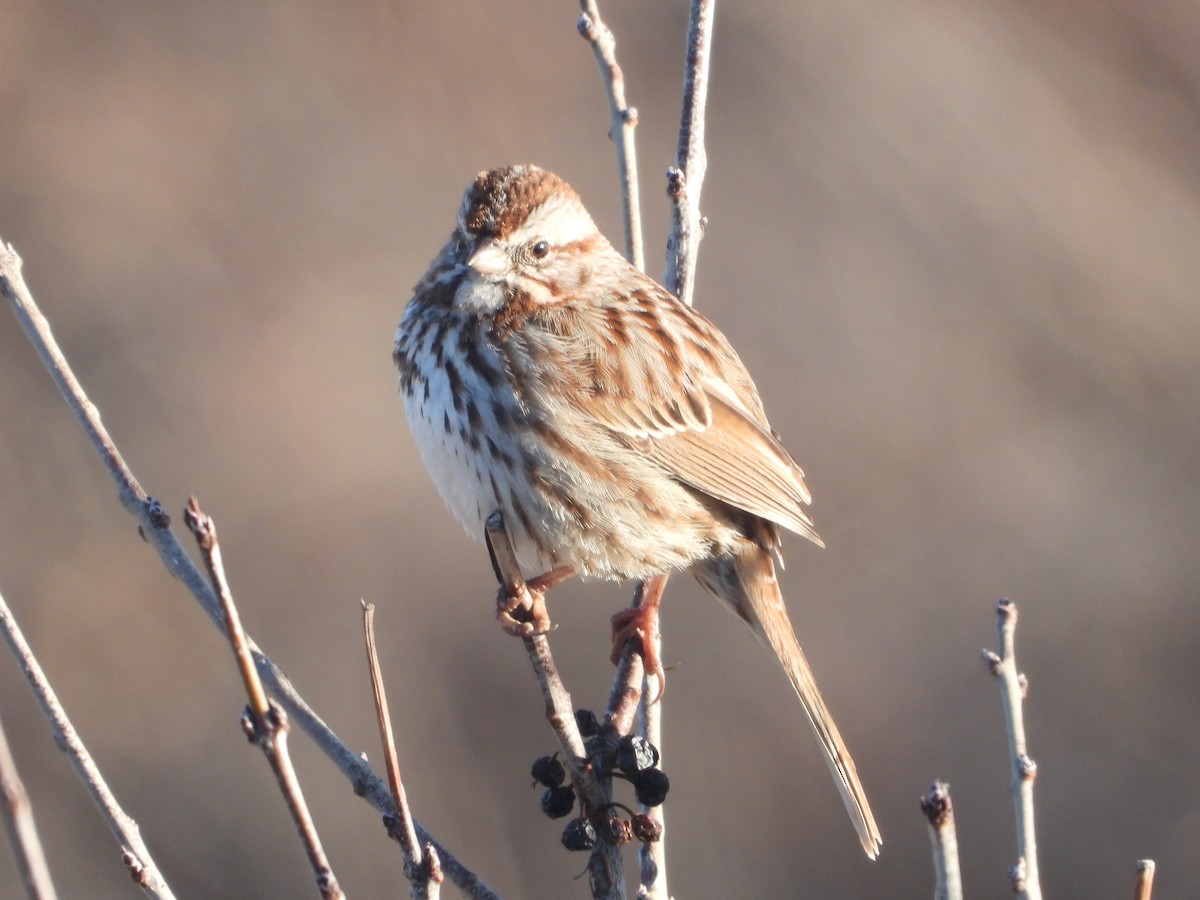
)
(630, 757)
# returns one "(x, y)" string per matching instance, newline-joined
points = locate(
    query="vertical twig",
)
(135, 854)
(684, 183)
(265, 722)
(1013, 687)
(1144, 882)
(605, 866)
(653, 856)
(629, 697)
(624, 121)
(939, 811)
(17, 812)
(686, 177)
(154, 526)
(421, 867)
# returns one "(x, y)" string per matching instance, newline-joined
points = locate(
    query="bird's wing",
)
(671, 384)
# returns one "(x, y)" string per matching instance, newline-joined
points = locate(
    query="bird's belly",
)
(571, 492)
(459, 474)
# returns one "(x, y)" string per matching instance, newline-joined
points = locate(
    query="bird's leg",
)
(640, 623)
(520, 604)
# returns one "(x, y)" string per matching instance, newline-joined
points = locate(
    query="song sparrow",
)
(613, 426)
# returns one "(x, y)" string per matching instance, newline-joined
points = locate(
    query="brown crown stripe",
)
(501, 200)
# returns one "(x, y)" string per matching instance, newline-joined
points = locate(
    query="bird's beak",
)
(488, 258)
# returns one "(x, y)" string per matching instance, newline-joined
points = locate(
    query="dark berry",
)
(635, 754)
(558, 802)
(651, 787)
(579, 834)
(548, 771)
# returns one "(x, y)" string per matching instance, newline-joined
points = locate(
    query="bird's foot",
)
(639, 623)
(521, 610)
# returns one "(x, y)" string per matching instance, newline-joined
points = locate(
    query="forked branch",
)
(265, 723)
(605, 866)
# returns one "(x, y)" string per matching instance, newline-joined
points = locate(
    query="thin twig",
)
(630, 705)
(265, 723)
(17, 812)
(653, 855)
(939, 811)
(135, 854)
(1144, 882)
(624, 121)
(1013, 687)
(605, 865)
(154, 525)
(419, 868)
(686, 177)
(629, 685)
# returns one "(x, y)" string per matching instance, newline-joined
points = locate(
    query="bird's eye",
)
(540, 249)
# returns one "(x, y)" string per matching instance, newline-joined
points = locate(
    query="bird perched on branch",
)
(613, 426)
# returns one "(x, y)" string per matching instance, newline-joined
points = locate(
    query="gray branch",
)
(624, 121)
(686, 177)
(1024, 874)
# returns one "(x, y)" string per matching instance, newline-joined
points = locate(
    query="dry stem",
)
(939, 811)
(1145, 879)
(421, 868)
(1024, 874)
(624, 121)
(686, 177)
(265, 723)
(605, 865)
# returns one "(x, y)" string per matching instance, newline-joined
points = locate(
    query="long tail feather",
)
(747, 584)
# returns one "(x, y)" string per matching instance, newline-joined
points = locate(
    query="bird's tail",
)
(747, 584)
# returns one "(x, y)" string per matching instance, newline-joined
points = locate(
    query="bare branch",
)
(628, 686)
(134, 852)
(265, 723)
(1003, 665)
(624, 121)
(605, 866)
(1145, 879)
(686, 177)
(939, 811)
(17, 812)
(653, 855)
(154, 525)
(422, 869)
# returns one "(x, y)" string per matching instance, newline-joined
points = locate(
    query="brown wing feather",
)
(674, 386)
(737, 462)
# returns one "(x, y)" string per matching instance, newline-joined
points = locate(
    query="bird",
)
(613, 426)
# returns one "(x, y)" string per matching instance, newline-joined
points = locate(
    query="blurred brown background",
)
(957, 244)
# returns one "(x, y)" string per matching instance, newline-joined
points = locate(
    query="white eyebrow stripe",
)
(559, 220)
